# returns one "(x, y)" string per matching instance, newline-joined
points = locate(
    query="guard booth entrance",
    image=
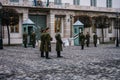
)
(29, 27)
(77, 28)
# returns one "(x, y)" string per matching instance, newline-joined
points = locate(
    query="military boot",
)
(59, 54)
(47, 55)
(42, 54)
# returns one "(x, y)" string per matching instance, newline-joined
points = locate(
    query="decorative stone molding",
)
(5, 1)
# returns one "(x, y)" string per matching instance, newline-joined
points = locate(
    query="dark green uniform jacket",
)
(82, 39)
(33, 38)
(58, 42)
(48, 39)
(25, 38)
(87, 39)
(95, 38)
(42, 37)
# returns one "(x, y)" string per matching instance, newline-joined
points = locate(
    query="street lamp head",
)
(0, 5)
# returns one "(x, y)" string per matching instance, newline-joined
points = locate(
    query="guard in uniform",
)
(58, 44)
(33, 39)
(25, 35)
(82, 40)
(95, 39)
(87, 39)
(47, 45)
(42, 45)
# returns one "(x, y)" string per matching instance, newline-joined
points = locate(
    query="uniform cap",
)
(47, 28)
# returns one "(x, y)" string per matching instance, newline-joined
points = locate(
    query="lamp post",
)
(117, 27)
(71, 17)
(1, 41)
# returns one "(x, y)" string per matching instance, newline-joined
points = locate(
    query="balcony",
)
(26, 3)
(20, 3)
(83, 8)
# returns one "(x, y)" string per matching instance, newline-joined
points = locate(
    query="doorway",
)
(30, 30)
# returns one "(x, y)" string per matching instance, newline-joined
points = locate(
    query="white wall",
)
(116, 4)
(101, 3)
(49, 0)
(85, 2)
(68, 1)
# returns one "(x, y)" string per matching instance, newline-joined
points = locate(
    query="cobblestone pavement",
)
(92, 63)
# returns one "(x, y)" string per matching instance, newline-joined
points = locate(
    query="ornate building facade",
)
(60, 14)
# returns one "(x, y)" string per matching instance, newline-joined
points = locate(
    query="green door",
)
(40, 22)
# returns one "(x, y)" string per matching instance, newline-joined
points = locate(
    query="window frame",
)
(93, 3)
(58, 21)
(58, 2)
(76, 2)
(14, 29)
(109, 3)
(14, 0)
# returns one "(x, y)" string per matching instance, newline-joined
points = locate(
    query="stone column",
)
(67, 26)
(25, 14)
(51, 25)
(69, 29)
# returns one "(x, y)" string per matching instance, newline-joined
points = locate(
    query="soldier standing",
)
(25, 39)
(42, 37)
(95, 39)
(33, 39)
(58, 44)
(82, 40)
(87, 39)
(48, 39)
